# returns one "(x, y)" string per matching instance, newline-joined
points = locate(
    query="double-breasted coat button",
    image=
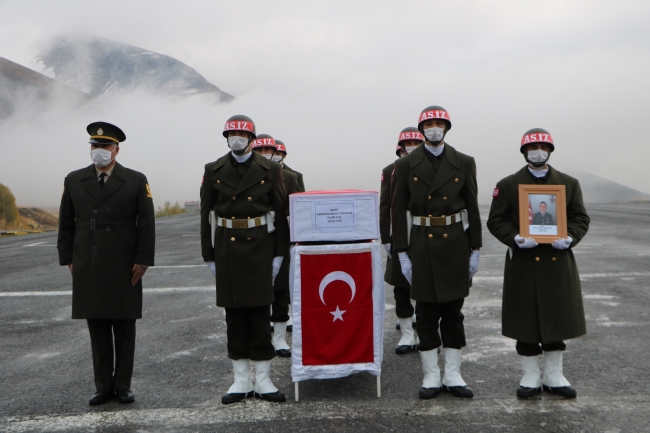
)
(445, 236)
(232, 239)
(262, 182)
(444, 198)
(248, 218)
(108, 229)
(108, 248)
(94, 248)
(248, 239)
(429, 197)
(218, 181)
(456, 180)
(415, 179)
(250, 198)
(233, 217)
(94, 210)
(537, 259)
(553, 259)
(234, 198)
(108, 211)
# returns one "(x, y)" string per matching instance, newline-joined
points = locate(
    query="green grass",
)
(169, 209)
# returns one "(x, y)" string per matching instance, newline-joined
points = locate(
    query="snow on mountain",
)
(103, 67)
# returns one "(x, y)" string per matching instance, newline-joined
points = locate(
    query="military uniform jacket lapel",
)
(448, 167)
(421, 167)
(254, 174)
(90, 182)
(115, 182)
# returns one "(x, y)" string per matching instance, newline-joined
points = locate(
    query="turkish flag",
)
(530, 212)
(337, 308)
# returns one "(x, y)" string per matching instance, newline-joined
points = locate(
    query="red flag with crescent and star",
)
(337, 308)
(530, 212)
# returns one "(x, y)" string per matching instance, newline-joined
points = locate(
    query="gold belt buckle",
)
(240, 224)
(438, 221)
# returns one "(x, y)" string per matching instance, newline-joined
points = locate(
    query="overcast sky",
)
(338, 80)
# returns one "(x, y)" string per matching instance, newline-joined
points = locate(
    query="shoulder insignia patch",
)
(495, 193)
(393, 173)
(382, 177)
(149, 191)
(203, 180)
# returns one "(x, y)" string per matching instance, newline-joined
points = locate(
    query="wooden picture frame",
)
(542, 212)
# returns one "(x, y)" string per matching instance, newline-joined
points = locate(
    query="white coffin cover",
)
(300, 372)
(334, 216)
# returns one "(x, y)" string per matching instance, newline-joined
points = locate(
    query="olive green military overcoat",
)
(542, 298)
(282, 280)
(103, 232)
(301, 182)
(244, 257)
(440, 255)
(393, 274)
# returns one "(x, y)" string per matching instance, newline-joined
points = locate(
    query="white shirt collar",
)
(538, 173)
(241, 158)
(436, 150)
(108, 173)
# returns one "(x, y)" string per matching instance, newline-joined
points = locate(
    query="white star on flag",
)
(338, 314)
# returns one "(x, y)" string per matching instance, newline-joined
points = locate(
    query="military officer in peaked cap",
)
(106, 238)
(437, 185)
(542, 297)
(266, 146)
(409, 138)
(244, 239)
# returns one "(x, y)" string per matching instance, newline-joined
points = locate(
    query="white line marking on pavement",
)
(211, 288)
(39, 244)
(185, 236)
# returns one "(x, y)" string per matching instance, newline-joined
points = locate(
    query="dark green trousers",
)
(248, 333)
(440, 324)
(113, 347)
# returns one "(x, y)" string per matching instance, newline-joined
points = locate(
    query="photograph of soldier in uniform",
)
(544, 221)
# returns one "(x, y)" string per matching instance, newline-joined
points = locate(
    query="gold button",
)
(250, 198)
(233, 217)
(232, 239)
(430, 216)
(445, 236)
(429, 197)
(537, 259)
(262, 182)
(444, 198)
(218, 181)
(415, 179)
(430, 236)
(456, 180)
(234, 198)
(248, 218)
(248, 239)
(553, 259)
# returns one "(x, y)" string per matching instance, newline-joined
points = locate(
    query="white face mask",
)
(238, 144)
(537, 155)
(409, 149)
(277, 158)
(101, 157)
(267, 155)
(435, 134)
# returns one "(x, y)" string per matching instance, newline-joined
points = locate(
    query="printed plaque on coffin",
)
(334, 217)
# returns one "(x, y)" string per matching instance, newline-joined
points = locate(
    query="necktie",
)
(101, 179)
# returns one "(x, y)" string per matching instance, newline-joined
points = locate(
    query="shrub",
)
(169, 209)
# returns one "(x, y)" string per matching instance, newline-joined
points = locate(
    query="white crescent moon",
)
(336, 276)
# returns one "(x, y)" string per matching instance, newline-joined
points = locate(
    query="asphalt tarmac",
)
(181, 367)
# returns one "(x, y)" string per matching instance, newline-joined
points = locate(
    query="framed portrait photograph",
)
(542, 212)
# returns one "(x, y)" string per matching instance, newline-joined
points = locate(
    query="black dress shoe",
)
(402, 350)
(100, 397)
(274, 397)
(428, 393)
(289, 328)
(564, 391)
(397, 326)
(284, 353)
(235, 397)
(524, 392)
(459, 391)
(125, 396)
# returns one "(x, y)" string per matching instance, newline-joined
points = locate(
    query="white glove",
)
(473, 263)
(563, 244)
(407, 267)
(213, 268)
(388, 247)
(277, 262)
(525, 242)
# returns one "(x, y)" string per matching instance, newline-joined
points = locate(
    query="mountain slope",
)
(103, 67)
(21, 86)
(596, 189)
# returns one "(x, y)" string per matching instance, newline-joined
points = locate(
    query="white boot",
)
(452, 368)
(531, 377)
(553, 374)
(409, 337)
(279, 336)
(430, 369)
(243, 383)
(263, 383)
